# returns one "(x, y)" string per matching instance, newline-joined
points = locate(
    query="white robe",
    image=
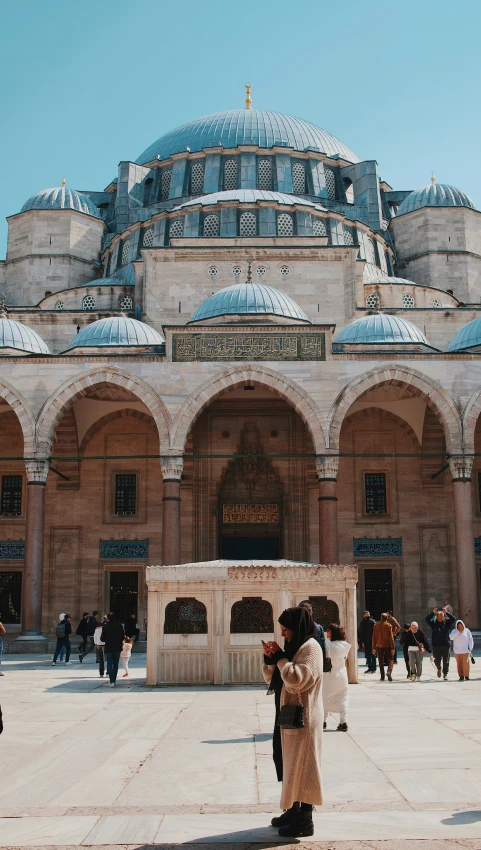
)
(335, 687)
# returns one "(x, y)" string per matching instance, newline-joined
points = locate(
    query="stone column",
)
(32, 582)
(468, 605)
(172, 468)
(327, 468)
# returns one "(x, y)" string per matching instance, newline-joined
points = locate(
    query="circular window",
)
(285, 270)
(59, 305)
(408, 301)
(237, 271)
(125, 302)
(212, 271)
(260, 271)
(88, 303)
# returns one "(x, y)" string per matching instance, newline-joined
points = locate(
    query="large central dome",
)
(246, 127)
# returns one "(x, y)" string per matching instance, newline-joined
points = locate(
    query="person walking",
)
(112, 635)
(63, 632)
(383, 646)
(298, 668)
(99, 647)
(396, 628)
(82, 631)
(3, 632)
(463, 644)
(417, 644)
(441, 623)
(131, 629)
(61, 656)
(92, 624)
(364, 636)
(335, 687)
(403, 640)
(125, 655)
(320, 635)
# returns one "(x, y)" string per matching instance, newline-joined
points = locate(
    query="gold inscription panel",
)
(261, 513)
(243, 346)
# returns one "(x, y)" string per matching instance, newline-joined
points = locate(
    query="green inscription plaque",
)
(243, 346)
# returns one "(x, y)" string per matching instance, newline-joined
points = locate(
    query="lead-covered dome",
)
(468, 337)
(249, 299)
(15, 336)
(380, 329)
(61, 198)
(435, 195)
(117, 332)
(246, 127)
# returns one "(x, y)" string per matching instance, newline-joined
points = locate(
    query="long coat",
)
(301, 748)
(335, 688)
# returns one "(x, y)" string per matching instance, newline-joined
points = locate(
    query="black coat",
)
(415, 639)
(365, 630)
(441, 631)
(130, 627)
(112, 636)
(83, 628)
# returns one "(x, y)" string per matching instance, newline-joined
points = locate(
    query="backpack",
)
(60, 630)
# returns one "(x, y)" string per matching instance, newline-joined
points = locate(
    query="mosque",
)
(247, 346)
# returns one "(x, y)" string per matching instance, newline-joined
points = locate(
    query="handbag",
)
(292, 716)
(327, 665)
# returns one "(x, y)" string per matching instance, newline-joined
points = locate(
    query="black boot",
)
(286, 818)
(300, 826)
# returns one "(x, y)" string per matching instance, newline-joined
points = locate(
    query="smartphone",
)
(263, 643)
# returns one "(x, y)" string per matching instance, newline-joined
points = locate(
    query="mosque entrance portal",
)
(237, 548)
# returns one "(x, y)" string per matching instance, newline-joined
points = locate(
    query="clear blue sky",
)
(87, 84)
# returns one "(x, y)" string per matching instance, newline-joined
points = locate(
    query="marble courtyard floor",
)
(84, 764)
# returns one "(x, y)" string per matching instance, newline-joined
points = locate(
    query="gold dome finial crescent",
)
(64, 181)
(433, 178)
(248, 95)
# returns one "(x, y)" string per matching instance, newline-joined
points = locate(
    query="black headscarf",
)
(301, 624)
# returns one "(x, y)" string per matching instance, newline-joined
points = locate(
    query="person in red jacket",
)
(383, 646)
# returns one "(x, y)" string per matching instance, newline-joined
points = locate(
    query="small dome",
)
(16, 336)
(468, 337)
(117, 332)
(379, 329)
(435, 195)
(249, 196)
(249, 299)
(61, 198)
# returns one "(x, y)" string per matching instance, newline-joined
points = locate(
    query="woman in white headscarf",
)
(335, 687)
(463, 644)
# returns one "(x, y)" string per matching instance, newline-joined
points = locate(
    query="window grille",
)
(125, 252)
(318, 227)
(59, 305)
(330, 183)
(348, 237)
(165, 185)
(248, 224)
(211, 225)
(260, 270)
(185, 616)
(230, 174)
(285, 225)
(10, 596)
(88, 303)
(324, 610)
(213, 271)
(251, 614)
(285, 270)
(125, 302)
(265, 175)
(408, 301)
(237, 271)
(373, 301)
(298, 178)
(125, 495)
(11, 495)
(375, 490)
(436, 303)
(176, 228)
(148, 238)
(197, 178)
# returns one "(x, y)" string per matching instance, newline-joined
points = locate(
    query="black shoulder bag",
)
(292, 716)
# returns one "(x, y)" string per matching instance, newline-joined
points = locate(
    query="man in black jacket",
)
(112, 636)
(82, 631)
(441, 622)
(364, 636)
(92, 624)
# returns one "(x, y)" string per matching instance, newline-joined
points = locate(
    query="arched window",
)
(265, 174)
(285, 225)
(59, 305)
(330, 183)
(348, 190)
(230, 174)
(176, 228)
(125, 302)
(298, 178)
(248, 224)
(197, 178)
(165, 184)
(408, 301)
(373, 302)
(211, 225)
(318, 227)
(148, 238)
(125, 252)
(251, 614)
(436, 303)
(348, 237)
(148, 191)
(88, 303)
(185, 616)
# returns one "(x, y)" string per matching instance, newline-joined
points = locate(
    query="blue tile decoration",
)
(124, 549)
(377, 547)
(12, 550)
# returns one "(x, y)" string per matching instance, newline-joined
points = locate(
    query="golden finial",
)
(64, 181)
(248, 96)
(433, 178)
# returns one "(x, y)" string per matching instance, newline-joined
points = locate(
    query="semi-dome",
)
(16, 336)
(468, 337)
(249, 299)
(246, 127)
(435, 195)
(117, 332)
(61, 198)
(249, 196)
(380, 329)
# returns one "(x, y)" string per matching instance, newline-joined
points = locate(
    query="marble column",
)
(468, 604)
(327, 468)
(172, 468)
(32, 581)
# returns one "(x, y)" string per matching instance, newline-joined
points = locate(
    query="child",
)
(125, 654)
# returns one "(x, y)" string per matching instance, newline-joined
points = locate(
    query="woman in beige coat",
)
(297, 672)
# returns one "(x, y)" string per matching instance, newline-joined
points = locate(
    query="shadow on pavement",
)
(462, 817)
(249, 739)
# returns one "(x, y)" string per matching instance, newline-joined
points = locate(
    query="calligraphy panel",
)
(260, 513)
(245, 346)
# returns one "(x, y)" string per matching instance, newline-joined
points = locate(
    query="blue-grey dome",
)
(435, 195)
(251, 299)
(467, 337)
(61, 198)
(246, 127)
(380, 328)
(249, 196)
(15, 335)
(116, 332)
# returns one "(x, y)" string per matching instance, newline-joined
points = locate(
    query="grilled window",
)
(10, 596)
(125, 302)
(373, 301)
(330, 183)
(348, 237)
(408, 301)
(248, 225)
(285, 225)
(59, 305)
(197, 178)
(125, 495)
(265, 174)
(318, 227)
(436, 303)
(185, 616)
(298, 178)
(211, 225)
(148, 238)
(230, 174)
(88, 303)
(251, 614)
(11, 495)
(375, 490)
(166, 181)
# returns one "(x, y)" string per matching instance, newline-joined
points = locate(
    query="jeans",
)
(442, 653)
(416, 662)
(90, 646)
(65, 643)
(370, 658)
(395, 652)
(112, 665)
(384, 654)
(100, 654)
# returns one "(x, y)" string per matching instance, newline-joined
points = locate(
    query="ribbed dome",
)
(61, 198)
(435, 195)
(20, 337)
(467, 337)
(249, 299)
(246, 127)
(379, 328)
(249, 196)
(116, 332)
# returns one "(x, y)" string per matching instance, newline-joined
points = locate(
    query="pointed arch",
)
(471, 415)
(109, 417)
(24, 414)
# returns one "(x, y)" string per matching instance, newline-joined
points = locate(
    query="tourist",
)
(82, 631)
(125, 655)
(335, 687)
(396, 628)
(417, 644)
(99, 646)
(63, 632)
(441, 623)
(320, 636)
(383, 646)
(131, 629)
(61, 656)
(403, 640)
(112, 635)
(3, 631)
(297, 673)
(364, 636)
(92, 624)
(463, 644)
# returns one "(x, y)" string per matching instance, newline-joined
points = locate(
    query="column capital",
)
(37, 471)
(461, 467)
(172, 467)
(327, 467)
